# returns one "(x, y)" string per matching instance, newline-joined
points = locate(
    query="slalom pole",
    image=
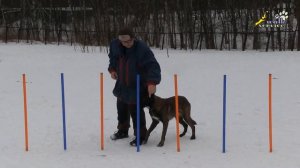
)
(270, 114)
(25, 113)
(138, 113)
(63, 112)
(101, 112)
(224, 115)
(177, 113)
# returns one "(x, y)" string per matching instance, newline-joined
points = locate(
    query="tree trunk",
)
(246, 32)
(297, 14)
(279, 39)
(268, 41)
(298, 45)
(234, 28)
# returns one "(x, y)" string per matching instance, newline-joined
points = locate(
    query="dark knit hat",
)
(126, 31)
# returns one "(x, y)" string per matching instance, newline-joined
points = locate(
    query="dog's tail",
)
(193, 122)
(188, 114)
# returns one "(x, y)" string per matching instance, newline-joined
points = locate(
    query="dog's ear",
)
(151, 100)
(148, 101)
(145, 101)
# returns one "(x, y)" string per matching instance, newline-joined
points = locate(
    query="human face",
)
(126, 41)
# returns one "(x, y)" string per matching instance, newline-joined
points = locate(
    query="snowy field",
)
(200, 79)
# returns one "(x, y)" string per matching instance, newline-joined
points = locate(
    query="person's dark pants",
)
(124, 113)
(123, 116)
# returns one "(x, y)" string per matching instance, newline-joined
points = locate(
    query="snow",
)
(200, 79)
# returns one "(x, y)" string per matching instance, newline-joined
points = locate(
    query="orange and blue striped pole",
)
(224, 114)
(177, 113)
(25, 113)
(63, 112)
(270, 114)
(101, 112)
(138, 113)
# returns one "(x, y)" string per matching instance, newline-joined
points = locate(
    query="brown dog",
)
(164, 110)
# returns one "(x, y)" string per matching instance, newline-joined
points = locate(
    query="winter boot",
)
(120, 134)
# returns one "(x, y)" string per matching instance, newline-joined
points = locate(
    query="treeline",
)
(183, 24)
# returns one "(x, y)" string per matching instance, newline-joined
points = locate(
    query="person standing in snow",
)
(127, 58)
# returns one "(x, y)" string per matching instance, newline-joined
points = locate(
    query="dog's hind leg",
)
(151, 128)
(190, 121)
(191, 124)
(185, 126)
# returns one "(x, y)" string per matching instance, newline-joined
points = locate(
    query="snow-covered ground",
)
(200, 79)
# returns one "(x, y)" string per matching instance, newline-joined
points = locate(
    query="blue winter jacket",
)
(138, 59)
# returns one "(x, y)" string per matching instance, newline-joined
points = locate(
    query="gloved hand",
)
(151, 89)
(114, 75)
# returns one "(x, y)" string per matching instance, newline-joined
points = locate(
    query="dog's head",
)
(148, 101)
(154, 104)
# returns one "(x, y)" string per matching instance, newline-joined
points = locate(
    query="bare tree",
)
(184, 24)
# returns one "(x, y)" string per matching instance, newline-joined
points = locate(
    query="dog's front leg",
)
(164, 132)
(152, 126)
